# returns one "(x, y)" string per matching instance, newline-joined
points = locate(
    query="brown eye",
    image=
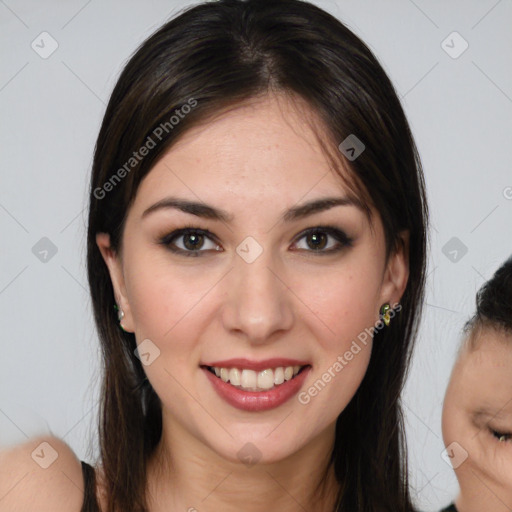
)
(319, 240)
(192, 240)
(325, 240)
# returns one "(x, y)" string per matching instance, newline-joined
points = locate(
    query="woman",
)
(256, 258)
(477, 410)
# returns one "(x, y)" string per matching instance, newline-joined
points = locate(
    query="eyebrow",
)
(209, 212)
(492, 413)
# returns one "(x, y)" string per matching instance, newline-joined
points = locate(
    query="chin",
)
(254, 449)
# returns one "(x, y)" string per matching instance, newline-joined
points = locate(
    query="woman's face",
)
(256, 290)
(477, 412)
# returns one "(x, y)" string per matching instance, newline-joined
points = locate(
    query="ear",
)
(396, 273)
(115, 268)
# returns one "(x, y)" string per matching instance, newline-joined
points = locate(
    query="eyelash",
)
(336, 233)
(497, 434)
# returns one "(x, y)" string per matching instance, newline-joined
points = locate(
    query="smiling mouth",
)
(250, 380)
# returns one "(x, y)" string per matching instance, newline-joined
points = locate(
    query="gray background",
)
(460, 113)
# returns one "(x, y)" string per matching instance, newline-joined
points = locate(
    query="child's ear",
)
(115, 268)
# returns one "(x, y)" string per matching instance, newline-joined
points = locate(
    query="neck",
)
(185, 474)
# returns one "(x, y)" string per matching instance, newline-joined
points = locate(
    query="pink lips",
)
(255, 401)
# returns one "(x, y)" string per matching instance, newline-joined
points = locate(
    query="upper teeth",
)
(256, 381)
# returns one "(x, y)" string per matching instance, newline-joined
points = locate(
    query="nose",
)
(259, 303)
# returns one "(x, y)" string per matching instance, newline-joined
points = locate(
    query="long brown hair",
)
(219, 54)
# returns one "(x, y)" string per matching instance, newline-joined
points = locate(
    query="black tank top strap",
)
(450, 508)
(90, 502)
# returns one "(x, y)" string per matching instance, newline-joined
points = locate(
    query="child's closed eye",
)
(500, 436)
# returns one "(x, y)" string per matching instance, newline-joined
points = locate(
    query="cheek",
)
(344, 304)
(499, 464)
(345, 310)
(162, 299)
(450, 423)
(167, 309)
(492, 458)
(489, 460)
(457, 427)
(504, 469)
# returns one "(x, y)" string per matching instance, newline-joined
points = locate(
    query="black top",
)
(450, 508)
(90, 502)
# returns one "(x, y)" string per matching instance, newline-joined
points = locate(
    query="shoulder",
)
(41, 474)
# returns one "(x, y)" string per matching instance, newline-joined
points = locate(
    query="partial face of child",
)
(477, 414)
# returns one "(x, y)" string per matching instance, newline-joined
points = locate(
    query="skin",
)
(255, 162)
(478, 401)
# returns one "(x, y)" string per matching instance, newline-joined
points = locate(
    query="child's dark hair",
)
(493, 304)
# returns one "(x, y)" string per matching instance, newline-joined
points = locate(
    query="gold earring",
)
(384, 311)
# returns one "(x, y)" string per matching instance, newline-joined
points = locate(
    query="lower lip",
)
(257, 400)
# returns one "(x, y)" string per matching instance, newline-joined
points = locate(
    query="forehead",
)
(483, 375)
(263, 150)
